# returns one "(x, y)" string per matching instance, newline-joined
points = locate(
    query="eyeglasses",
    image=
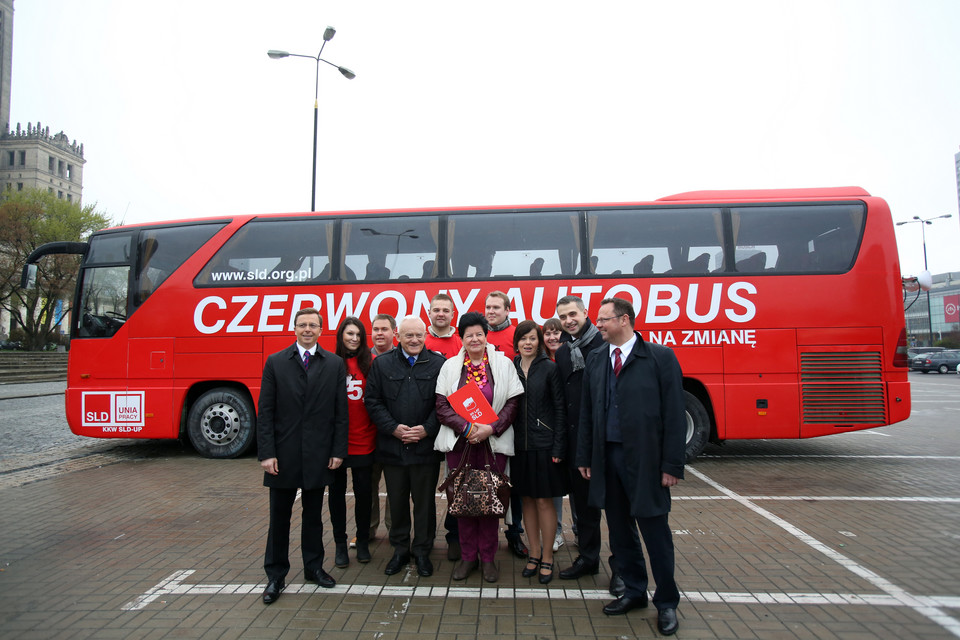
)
(304, 325)
(603, 320)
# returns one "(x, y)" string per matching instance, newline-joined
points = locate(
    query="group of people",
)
(585, 409)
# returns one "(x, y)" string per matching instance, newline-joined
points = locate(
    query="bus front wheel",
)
(221, 423)
(698, 426)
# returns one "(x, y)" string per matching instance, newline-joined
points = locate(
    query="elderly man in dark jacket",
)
(631, 447)
(401, 401)
(302, 425)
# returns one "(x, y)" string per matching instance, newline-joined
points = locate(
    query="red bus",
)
(784, 307)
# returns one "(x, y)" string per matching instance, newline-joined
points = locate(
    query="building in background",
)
(944, 313)
(956, 160)
(31, 157)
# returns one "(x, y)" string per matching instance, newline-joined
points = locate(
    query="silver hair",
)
(417, 319)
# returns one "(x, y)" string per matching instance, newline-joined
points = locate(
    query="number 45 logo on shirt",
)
(354, 388)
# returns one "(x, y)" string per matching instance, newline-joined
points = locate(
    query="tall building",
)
(32, 157)
(956, 159)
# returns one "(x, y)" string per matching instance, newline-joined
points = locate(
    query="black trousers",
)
(625, 543)
(516, 514)
(276, 562)
(416, 483)
(450, 523)
(588, 518)
(363, 499)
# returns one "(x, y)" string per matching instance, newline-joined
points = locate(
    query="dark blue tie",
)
(411, 360)
(306, 359)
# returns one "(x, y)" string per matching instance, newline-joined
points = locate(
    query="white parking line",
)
(173, 585)
(828, 498)
(921, 605)
(826, 456)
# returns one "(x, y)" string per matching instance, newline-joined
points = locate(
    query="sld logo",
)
(112, 408)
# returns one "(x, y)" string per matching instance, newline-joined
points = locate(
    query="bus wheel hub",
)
(220, 424)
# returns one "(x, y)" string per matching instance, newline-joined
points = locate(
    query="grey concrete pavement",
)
(849, 536)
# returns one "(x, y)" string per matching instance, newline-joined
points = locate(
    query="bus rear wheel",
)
(221, 423)
(698, 426)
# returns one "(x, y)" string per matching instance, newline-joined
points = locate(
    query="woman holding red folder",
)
(497, 379)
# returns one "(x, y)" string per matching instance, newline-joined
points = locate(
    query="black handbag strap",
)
(489, 461)
(456, 472)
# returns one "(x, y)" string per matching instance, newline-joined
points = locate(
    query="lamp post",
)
(328, 34)
(923, 235)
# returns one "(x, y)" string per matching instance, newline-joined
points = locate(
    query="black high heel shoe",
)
(545, 578)
(528, 571)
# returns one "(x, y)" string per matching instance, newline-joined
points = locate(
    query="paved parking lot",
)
(849, 536)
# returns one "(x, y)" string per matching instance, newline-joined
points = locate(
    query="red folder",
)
(470, 404)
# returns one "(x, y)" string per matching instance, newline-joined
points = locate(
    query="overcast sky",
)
(182, 114)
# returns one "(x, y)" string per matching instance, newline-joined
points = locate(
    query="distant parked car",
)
(913, 352)
(942, 361)
(11, 345)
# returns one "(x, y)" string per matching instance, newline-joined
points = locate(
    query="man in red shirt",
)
(442, 336)
(497, 312)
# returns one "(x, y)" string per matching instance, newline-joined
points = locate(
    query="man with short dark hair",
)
(383, 330)
(631, 448)
(302, 425)
(497, 313)
(442, 336)
(580, 338)
(401, 401)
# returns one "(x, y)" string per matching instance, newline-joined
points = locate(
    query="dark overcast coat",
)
(652, 423)
(302, 419)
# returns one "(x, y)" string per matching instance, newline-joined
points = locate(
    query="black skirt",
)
(534, 474)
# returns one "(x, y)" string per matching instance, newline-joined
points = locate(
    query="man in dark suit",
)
(580, 339)
(302, 427)
(631, 448)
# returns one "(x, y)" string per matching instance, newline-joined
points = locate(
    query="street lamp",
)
(923, 235)
(328, 34)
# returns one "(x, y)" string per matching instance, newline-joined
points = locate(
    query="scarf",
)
(501, 327)
(576, 356)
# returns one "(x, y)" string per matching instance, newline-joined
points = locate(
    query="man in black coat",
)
(302, 425)
(631, 448)
(401, 400)
(580, 338)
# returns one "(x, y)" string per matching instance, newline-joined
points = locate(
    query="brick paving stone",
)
(77, 546)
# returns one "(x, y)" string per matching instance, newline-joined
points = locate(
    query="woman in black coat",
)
(540, 442)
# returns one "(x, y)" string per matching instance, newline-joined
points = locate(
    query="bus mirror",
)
(28, 280)
(925, 280)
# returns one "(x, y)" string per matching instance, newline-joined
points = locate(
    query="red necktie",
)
(306, 359)
(617, 364)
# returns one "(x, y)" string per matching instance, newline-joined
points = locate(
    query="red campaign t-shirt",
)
(362, 437)
(449, 346)
(503, 341)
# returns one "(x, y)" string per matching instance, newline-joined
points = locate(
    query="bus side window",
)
(670, 241)
(160, 252)
(272, 252)
(812, 238)
(388, 248)
(531, 244)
